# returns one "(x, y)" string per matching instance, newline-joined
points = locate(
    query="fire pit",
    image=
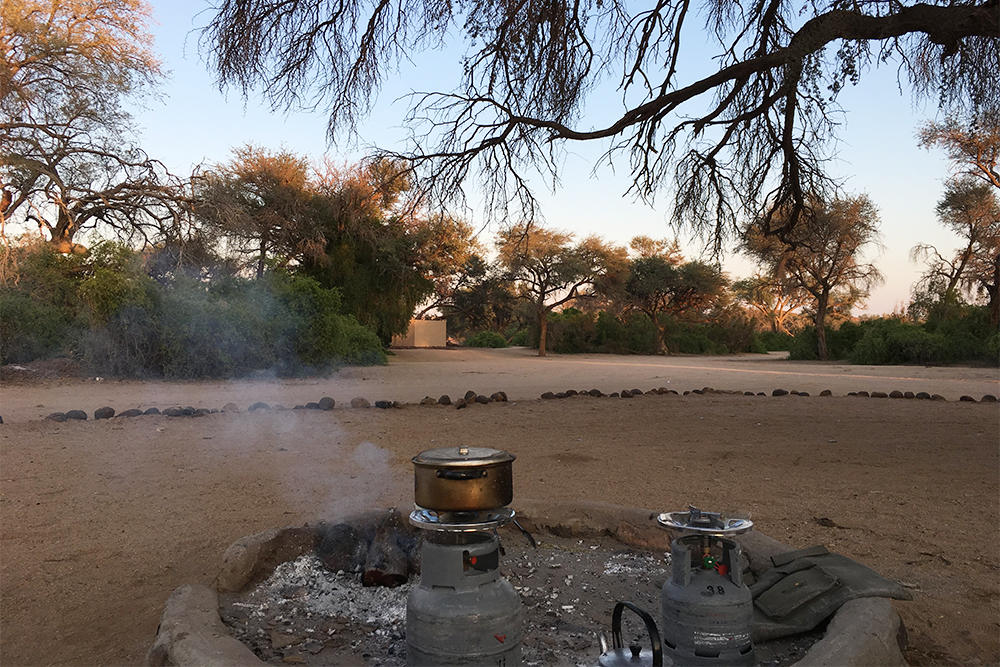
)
(285, 607)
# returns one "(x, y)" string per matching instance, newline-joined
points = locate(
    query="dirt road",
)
(100, 521)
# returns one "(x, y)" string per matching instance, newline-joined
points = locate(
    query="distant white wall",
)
(423, 333)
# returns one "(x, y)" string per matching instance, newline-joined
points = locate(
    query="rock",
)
(483, 400)
(779, 392)
(863, 394)
(687, 392)
(748, 393)
(104, 413)
(988, 398)
(470, 396)
(260, 405)
(445, 400)
(201, 412)
(793, 392)
(384, 405)
(967, 399)
(326, 403)
(191, 633)
(427, 400)
(189, 411)
(571, 392)
(923, 394)
(760, 393)
(707, 390)
(461, 403)
(398, 405)
(547, 395)
(673, 391)
(595, 393)
(637, 392)
(341, 547)
(695, 391)
(312, 405)
(909, 394)
(498, 397)
(299, 407)
(625, 393)
(895, 393)
(879, 394)
(560, 394)
(504, 394)
(76, 414)
(803, 393)
(360, 402)
(151, 411)
(254, 557)
(938, 397)
(852, 393)
(826, 392)
(133, 412)
(230, 407)
(56, 417)
(174, 412)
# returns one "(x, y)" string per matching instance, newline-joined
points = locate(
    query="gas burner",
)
(695, 521)
(461, 522)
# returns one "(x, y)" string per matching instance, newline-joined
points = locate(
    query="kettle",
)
(634, 655)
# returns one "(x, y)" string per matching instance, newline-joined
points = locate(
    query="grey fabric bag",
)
(807, 586)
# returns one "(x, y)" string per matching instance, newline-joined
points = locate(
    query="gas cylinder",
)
(462, 612)
(707, 609)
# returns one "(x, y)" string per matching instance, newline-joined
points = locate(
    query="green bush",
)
(890, 341)
(773, 341)
(32, 329)
(486, 339)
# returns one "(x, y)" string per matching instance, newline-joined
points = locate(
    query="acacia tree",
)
(823, 254)
(263, 205)
(656, 286)
(970, 209)
(972, 144)
(550, 272)
(774, 299)
(66, 160)
(749, 138)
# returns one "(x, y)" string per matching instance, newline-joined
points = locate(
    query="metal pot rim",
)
(461, 457)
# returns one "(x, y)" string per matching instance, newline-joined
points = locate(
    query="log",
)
(386, 563)
(342, 547)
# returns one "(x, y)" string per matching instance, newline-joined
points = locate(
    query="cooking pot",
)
(462, 479)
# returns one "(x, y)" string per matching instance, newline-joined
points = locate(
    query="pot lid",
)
(462, 457)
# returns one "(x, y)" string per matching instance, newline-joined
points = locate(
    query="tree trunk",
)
(261, 258)
(543, 326)
(821, 305)
(993, 291)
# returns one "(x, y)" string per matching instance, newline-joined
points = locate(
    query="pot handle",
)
(654, 634)
(461, 474)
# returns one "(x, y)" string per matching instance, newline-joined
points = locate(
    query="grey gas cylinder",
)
(462, 612)
(707, 609)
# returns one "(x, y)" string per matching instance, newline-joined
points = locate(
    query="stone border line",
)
(864, 632)
(472, 398)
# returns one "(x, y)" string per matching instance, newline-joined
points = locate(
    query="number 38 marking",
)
(716, 590)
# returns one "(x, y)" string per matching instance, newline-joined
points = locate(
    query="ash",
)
(305, 614)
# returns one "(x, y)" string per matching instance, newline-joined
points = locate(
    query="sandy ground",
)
(100, 521)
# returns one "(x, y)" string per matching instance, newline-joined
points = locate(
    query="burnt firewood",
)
(342, 547)
(387, 563)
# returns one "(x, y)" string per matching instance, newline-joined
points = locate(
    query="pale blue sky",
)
(194, 123)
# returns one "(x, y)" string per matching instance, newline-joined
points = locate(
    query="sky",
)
(192, 122)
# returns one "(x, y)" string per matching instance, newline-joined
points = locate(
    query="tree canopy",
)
(825, 254)
(66, 158)
(744, 140)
